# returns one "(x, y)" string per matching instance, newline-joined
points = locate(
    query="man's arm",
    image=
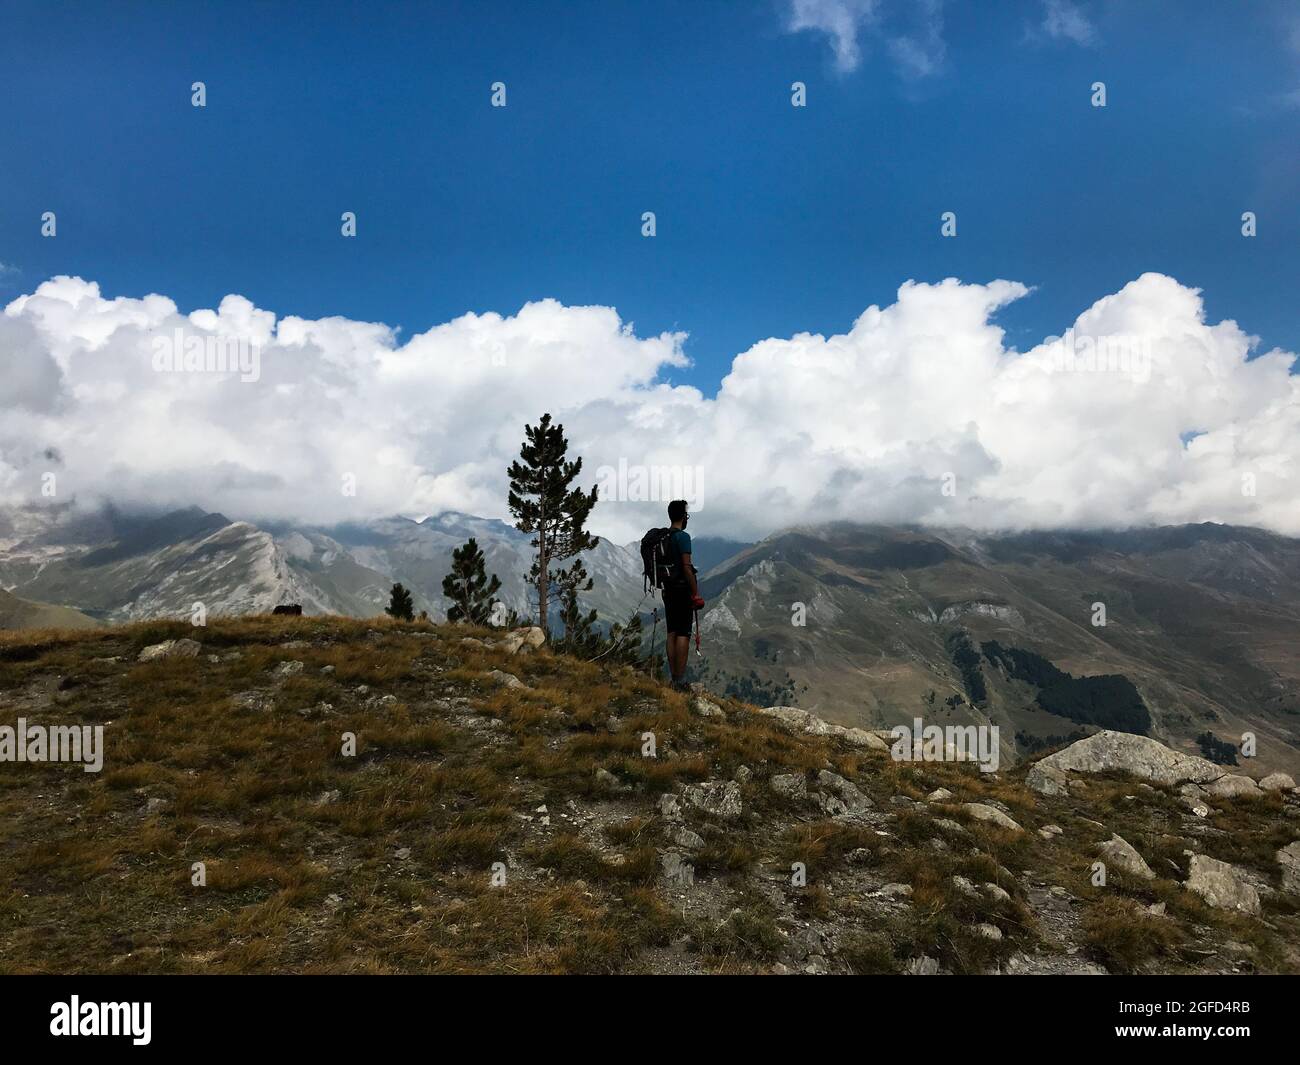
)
(689, 570)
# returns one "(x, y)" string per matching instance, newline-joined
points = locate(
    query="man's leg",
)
(678, 649)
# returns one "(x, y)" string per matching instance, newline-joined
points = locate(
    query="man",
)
(681, 595)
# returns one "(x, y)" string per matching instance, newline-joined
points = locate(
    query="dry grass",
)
(383, 862)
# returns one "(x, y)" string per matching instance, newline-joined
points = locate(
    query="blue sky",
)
(771, 219)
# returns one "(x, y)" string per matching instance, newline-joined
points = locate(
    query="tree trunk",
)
(543, 573)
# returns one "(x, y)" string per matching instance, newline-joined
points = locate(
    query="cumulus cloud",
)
(1140, 412)
(912, 32)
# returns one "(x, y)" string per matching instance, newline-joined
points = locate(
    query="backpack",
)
(661, 564)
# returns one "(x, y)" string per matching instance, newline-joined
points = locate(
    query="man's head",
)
(677, 512)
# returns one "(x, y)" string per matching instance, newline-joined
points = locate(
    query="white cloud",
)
(912, 33)
(1065, 20)
(863, 426)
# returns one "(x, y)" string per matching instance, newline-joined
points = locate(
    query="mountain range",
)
(1173, 632)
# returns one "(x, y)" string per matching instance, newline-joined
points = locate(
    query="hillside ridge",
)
(507, 809)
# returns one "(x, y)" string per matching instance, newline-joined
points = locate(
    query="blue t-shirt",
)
(682, 541)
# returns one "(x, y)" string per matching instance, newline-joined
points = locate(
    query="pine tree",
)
(544, 502)
(469, 587)
(400, 605)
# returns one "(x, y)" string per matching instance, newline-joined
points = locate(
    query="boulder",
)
(1288, 858)
(717, 798)
(1221, 886)
(508, 679)
(677, 873)
(702, 707)
(1047, 780)
(170, 649)
(1139, 756)
(1277, 782)
(789, 786)
(532, 636)
(982, 812)
(670, 807)
(850, 799)
(1231, 786)
(1118, 852)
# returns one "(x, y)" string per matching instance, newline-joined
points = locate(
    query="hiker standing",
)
(681, 594)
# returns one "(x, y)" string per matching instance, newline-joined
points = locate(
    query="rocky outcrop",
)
(1221, 885)
(1139, 756)
(792, 719)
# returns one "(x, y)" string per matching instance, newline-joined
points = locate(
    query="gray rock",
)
(983, 812)
(1232, 786)
(848, 793)
(939, 795)
(1118, 852)
(1277, 782)
(1139, 756)
(790, 786)
(717, 798)
(996, 893)
(702, 707)
(686, 839)
(1221, 885)
(170, 649)
(792, 719)
(532, 636)
(508, 679)
(1050, 832)
(607, 780)
(1288, 858)
(670, 807)
(1047, 780)
(678, 873)
(288, 669)
(922, 966)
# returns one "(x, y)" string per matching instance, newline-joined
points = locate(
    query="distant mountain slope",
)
(1203, 620)
(120, 568)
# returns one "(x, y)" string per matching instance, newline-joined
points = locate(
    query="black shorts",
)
(678, 612)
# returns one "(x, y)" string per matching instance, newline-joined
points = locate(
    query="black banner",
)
(89, 1015)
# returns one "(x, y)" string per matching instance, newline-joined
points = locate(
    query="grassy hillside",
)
(384, 862)
(18, 613)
